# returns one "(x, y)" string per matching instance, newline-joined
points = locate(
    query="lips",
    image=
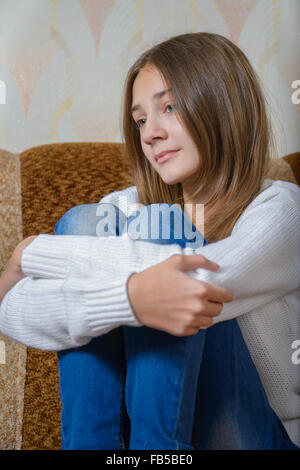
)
(165, 152)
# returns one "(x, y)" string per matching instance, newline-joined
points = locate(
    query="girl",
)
(210, 365)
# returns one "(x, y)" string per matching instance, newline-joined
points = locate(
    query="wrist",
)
(9, 278)
(131, 291)
(16, 259)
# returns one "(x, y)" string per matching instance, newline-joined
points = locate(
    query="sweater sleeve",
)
(61, 304)
(76, 285)
(260, 261)
(57, 314)
(75, 289)
(87, 295)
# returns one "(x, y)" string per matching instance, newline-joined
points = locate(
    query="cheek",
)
(146, 152)
(193, 151)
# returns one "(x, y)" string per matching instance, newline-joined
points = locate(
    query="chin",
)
(171, 181)
(175, 178)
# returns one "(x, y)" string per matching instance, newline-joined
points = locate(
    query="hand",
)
(166, 298)
(13, 272)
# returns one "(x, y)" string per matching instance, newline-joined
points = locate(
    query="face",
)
(165, 141)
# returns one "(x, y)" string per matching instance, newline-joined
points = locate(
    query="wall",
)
(63, 62)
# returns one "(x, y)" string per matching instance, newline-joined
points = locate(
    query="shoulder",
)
(278, 200)
(280, 191)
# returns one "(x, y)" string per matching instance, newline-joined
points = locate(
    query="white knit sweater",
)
(75, 288)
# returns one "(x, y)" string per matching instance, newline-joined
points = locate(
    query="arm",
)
(57, 314)
(241, 256)
(13, 272)
(51, 310)
(260, 261)
(54, 309)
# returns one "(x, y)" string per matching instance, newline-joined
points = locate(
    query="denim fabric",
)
(141, 388)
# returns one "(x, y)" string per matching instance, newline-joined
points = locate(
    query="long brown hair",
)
(220, 102)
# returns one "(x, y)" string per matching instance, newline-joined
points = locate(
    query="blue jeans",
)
(141, 388)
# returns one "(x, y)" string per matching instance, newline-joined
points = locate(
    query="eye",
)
(169, 108)
(140, 123)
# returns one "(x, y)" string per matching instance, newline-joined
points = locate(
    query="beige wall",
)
(64, 61)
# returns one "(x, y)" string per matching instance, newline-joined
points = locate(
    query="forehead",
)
(148, 81)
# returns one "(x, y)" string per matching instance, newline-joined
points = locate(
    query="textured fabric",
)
(293, 161)
(13, 355)
(280, 169)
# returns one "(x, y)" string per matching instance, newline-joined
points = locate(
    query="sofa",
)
(37, 187)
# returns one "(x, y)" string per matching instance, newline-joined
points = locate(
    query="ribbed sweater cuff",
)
(98, 305)
(25, 317)
(47, 256)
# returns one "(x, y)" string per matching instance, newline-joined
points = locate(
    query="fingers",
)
(212, 309)
(205, 317)
(199, 322)
(213, 293)
(190, 262)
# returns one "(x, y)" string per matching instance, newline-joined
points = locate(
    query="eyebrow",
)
(156, 96)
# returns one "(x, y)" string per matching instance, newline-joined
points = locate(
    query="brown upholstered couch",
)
(36, 188)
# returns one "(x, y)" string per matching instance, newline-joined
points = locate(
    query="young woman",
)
(210, 365)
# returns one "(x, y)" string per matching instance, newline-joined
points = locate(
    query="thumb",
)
(190, 262)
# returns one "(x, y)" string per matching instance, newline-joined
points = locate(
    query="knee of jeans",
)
(110, 220)
(79, 220)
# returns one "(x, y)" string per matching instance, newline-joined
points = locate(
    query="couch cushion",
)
(13, 354)
(280, 169)
(293, 160)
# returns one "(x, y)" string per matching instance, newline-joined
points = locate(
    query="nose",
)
(153, 130)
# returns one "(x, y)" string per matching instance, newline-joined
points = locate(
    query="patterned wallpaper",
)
(63, 62)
